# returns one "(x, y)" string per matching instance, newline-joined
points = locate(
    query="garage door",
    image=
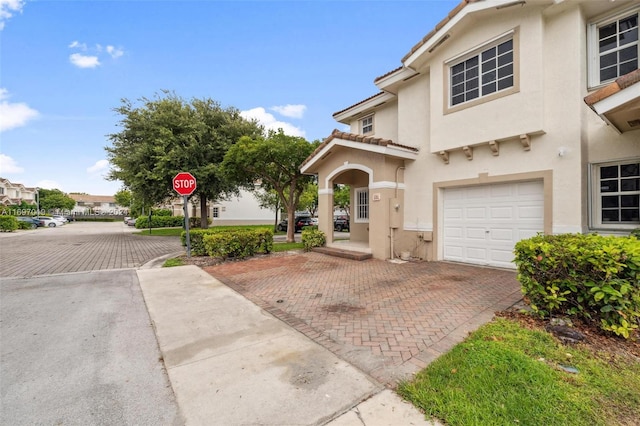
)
(483, 223)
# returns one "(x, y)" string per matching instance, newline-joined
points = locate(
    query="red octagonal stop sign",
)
(184, 183)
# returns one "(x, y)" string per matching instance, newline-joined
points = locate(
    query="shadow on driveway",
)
(390, 320)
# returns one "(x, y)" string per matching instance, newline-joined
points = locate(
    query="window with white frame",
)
(216, 212)
(366, 125)
(1, 191)
(362, 205)
(613, 46)
(617, 194)
(482, 72)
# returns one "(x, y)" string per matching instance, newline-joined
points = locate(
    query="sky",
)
(66, 65)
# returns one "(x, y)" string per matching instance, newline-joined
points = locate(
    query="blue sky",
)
(64, 66)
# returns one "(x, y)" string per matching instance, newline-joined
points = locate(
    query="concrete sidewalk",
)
(231, 363)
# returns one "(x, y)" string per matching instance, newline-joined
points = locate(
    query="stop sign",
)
(184, 183)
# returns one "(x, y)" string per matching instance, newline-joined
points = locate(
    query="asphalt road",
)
(78, 348)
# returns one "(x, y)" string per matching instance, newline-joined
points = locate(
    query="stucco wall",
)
(385, 122)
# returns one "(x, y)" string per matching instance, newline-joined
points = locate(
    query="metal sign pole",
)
(186, 223)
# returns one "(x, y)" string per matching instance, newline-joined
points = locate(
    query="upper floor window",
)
(617, 194)
(1, 191)
(366, 125)
(614, 47)
(485, 72)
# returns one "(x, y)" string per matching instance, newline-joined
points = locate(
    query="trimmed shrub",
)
(142, 222)
(8, 223)
(313, 238)
(262, 241)
(594, 277)
(636, 233)
(162, 212)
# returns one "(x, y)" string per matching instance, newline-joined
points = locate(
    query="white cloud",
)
(77, 45)
(13, 114)
(8, 165)
(114, 52)
(84, 61)
(8, 8)
(49, 184)
(270, 122)
(99, 166)
(293, 111)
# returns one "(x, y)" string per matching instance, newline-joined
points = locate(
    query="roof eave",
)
(345, 116)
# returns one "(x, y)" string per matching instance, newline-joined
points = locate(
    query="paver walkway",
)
(388, 319)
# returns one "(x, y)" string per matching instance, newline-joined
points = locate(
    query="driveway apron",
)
(388, 319)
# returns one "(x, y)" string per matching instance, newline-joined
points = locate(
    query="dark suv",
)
(341, 223)
(300, 221)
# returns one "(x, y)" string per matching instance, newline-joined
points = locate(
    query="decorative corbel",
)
(526, 142)
(445, 156)
(468, 151)
(495, 148)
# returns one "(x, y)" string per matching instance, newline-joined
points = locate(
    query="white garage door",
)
(483, 223)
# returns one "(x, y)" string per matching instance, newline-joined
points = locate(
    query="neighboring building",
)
(97, 204)
(12, 193)
(242, 210)
(487, 134)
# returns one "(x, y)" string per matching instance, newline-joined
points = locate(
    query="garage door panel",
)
(489, 220)
(475, 233)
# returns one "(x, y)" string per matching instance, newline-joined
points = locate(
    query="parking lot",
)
(79, 246)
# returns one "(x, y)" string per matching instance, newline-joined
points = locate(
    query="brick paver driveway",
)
(79, 246)
(388, 319)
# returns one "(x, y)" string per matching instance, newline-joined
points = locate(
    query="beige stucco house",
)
(14, 193)
(509, 118)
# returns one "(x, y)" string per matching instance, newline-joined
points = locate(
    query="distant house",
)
(242, 210)
(97, 204)
(508, 119)
(13, 193)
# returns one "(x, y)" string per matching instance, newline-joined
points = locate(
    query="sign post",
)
(184, 184)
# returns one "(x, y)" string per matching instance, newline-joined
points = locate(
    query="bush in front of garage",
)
(594, 277)
(142, 222)
(236, 243)
(8, 223)
(312, 238)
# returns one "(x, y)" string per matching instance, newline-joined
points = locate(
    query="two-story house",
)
(13, 193)
(509, 118)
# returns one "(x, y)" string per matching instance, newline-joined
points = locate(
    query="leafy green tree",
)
(167, 135)
(54, 199)
(275, 161)
(123, 198)
(309, 198)
(342, 197)
(269, 200)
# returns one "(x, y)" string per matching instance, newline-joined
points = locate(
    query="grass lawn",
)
(505, 374)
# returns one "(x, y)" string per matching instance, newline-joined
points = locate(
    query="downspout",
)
(391, 231)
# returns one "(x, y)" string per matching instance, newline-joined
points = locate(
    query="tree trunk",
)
(204, 223)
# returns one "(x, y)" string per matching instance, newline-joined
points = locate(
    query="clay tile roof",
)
(387, 74)
(358, 103)
(371, 140)
(618, 85)
(440, 24)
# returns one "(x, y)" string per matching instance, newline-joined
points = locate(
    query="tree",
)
(123, 198)
(275, 161)
(269, 200)
(167, 135)
(54, 199)
(342, 197)
(309, 198)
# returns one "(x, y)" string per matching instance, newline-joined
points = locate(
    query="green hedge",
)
(142, 222)
(594, 277)
(8, 223)
(312, 238)
(237, 242)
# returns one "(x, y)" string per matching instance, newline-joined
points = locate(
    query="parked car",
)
(131, 221)
(49, 221)
(300, 222)
(60, 218)
(31, 220)
(315, 221)
(341, 223)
